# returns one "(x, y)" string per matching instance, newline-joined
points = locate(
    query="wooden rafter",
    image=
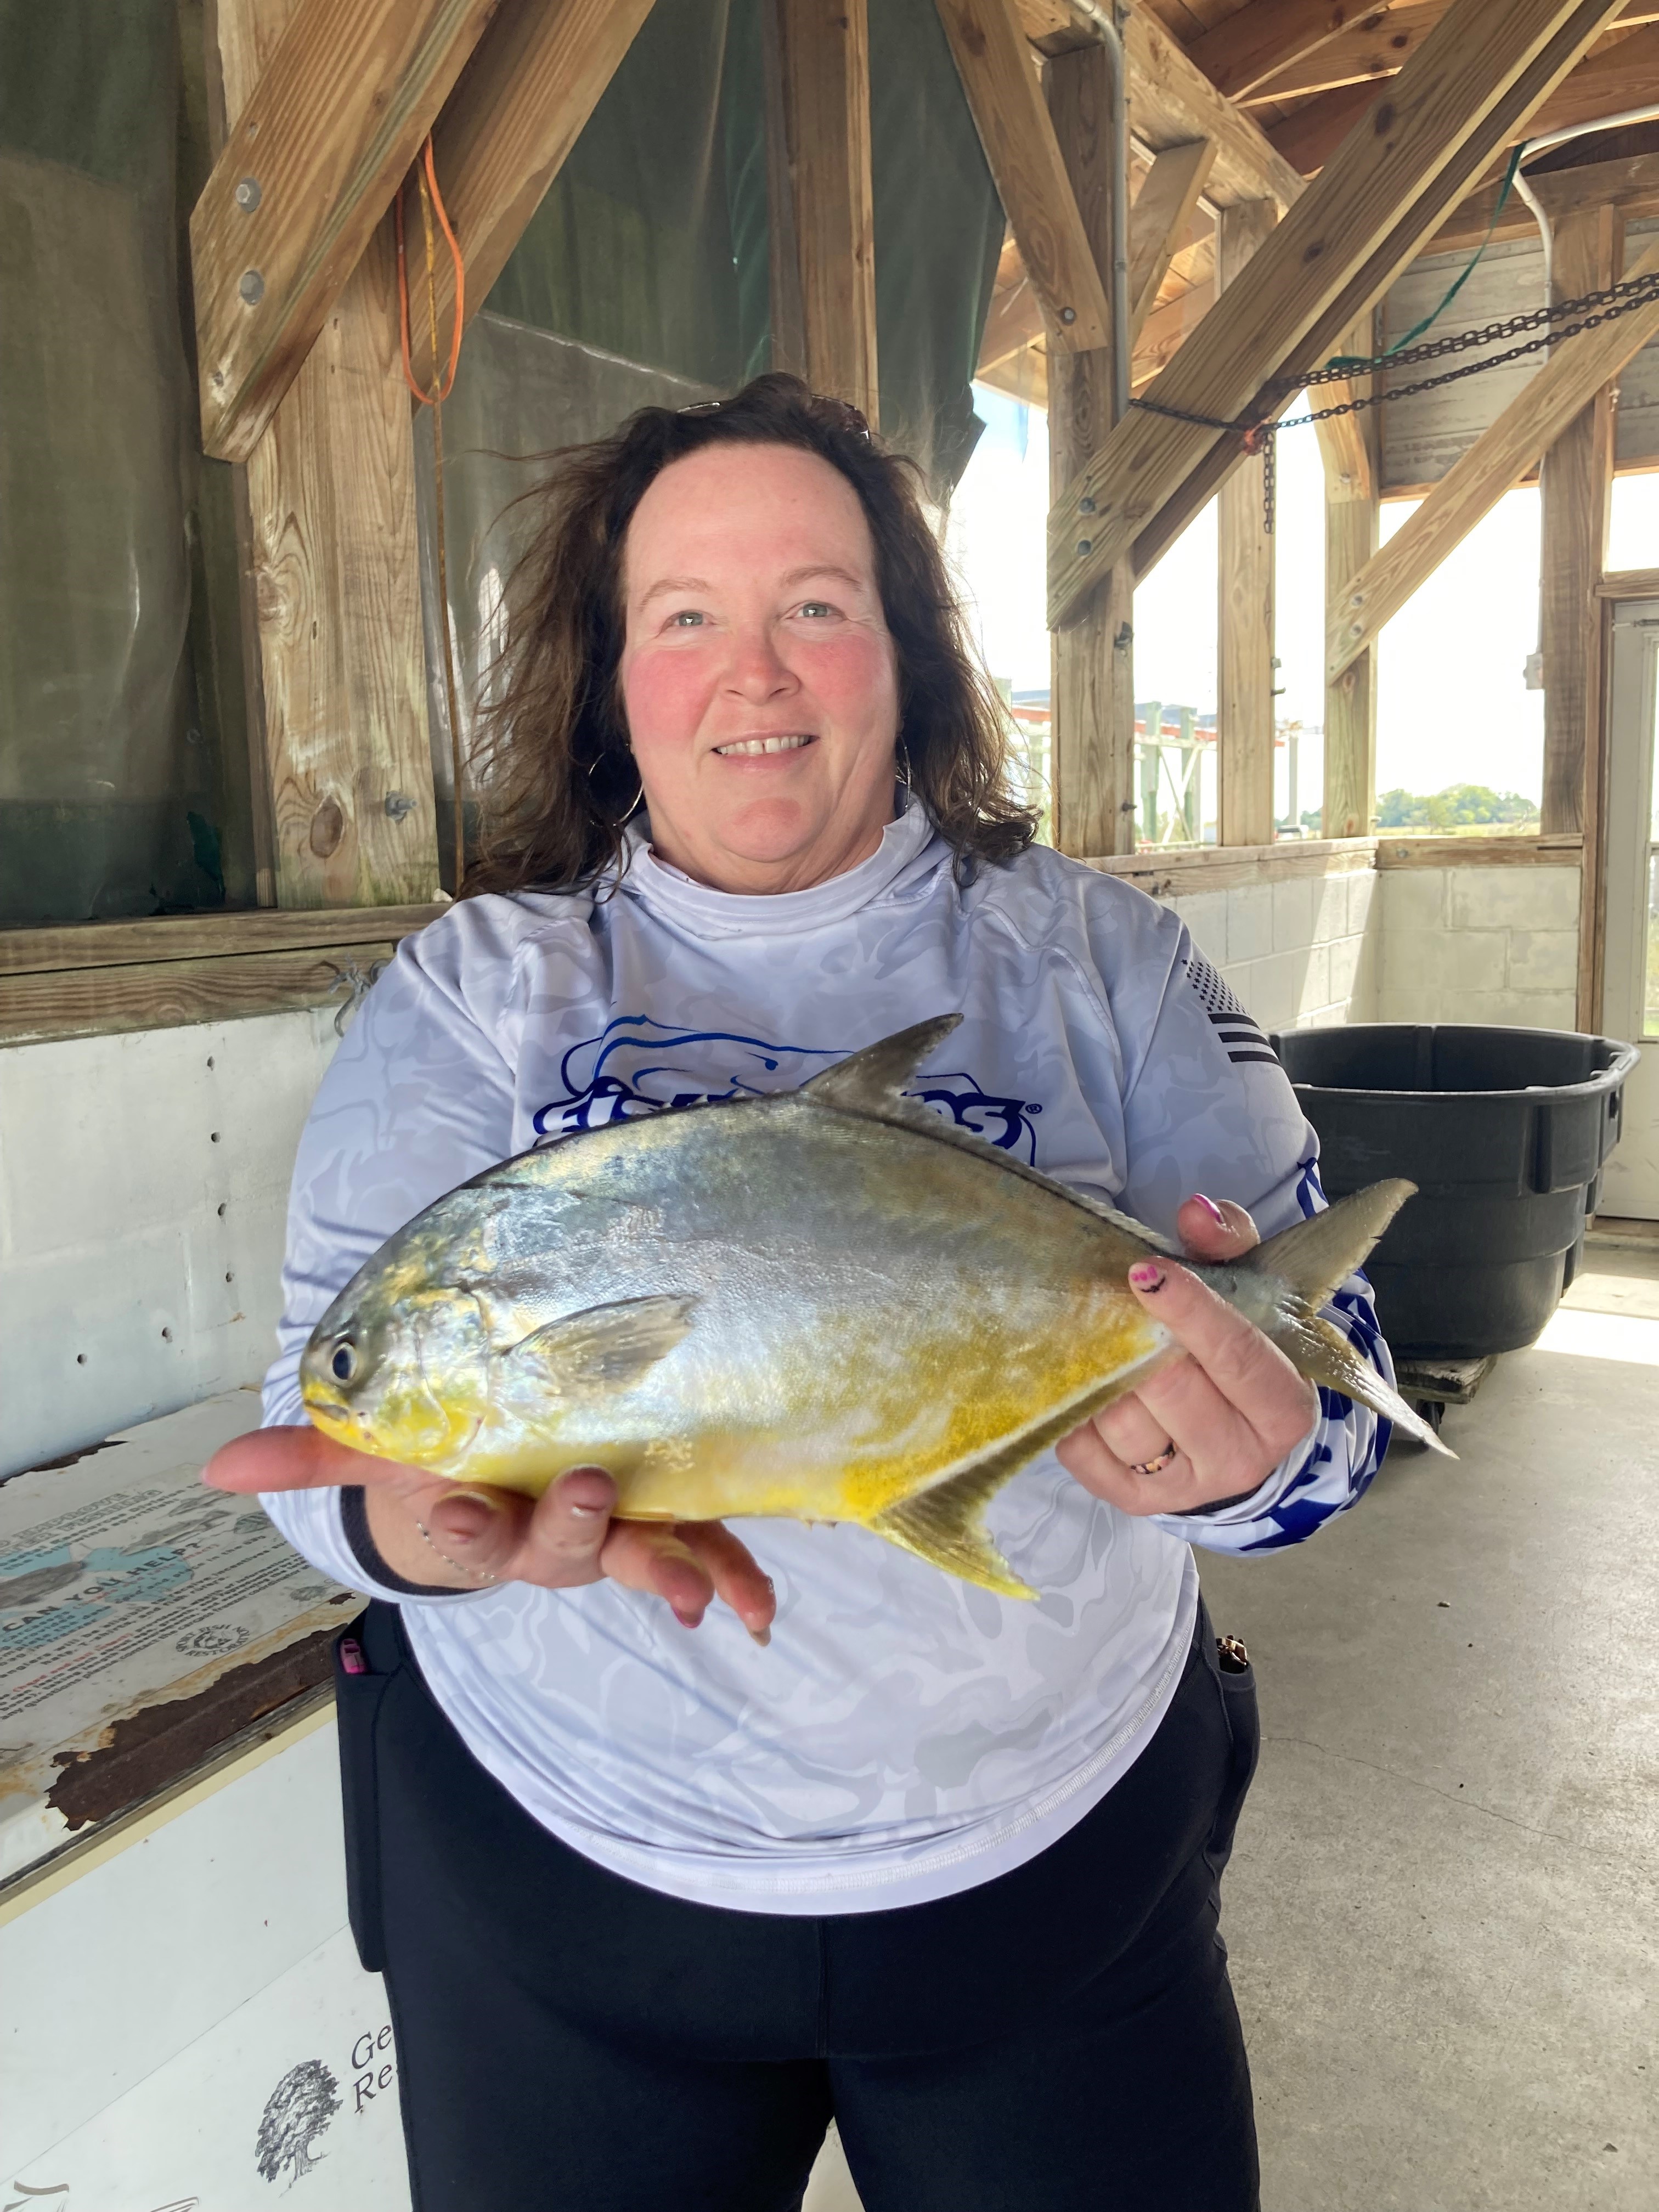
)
(1499, 458)
(996, 65)
(1620, 77)
(518, 109)
(1268, 36)
(1376, 44)
(1158, 221)
(1171, 102)
(1629, 186)
(324, 137)
(1387, 188)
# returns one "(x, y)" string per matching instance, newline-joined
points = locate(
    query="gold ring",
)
(1157, 1464)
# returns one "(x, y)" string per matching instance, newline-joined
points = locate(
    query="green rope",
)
(1357, 364)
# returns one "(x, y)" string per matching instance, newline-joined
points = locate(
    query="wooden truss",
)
(1242, 274)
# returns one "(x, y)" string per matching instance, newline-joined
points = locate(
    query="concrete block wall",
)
(144, 1187)
(1299, 954)
(1496, 945)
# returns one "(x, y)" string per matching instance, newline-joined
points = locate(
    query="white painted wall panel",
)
(143, 1184)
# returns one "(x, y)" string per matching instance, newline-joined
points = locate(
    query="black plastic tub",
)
(1503, 1131)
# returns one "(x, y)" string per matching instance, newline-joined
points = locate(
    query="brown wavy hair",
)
(558, 780)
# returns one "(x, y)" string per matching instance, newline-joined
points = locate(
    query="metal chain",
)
(1258, 431)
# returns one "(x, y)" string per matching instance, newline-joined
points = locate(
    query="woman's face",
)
(757, 673)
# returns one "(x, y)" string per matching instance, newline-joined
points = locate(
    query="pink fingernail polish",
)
(1212, 1209)
(1146, 1275)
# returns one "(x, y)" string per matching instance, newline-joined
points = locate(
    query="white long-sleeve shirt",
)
(905, 1735)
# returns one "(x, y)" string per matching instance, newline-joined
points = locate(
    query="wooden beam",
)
(1621, 76)
(994, 63)
(520, 107)
(1166, 329)
(1244, 656)
(1376, 43)
(321, 143)
(1266, 37)
(1014, 322)
(1629, 186)
(1163, 209)
(1333, 255)
(1353, 516)
(1576, 488)
(1092, 746)
(1172, 102)
(336, 580)
(1499, 458)
(825, 49)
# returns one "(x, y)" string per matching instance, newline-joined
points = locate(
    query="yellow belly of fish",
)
(859, 1433)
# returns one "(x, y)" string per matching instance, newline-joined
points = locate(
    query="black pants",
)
(1061, 2039)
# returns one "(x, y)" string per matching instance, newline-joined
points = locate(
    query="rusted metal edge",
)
(101, 1835)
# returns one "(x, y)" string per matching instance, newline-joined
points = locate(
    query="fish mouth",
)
(758, 748)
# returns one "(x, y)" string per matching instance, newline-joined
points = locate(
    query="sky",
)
(1453, 705)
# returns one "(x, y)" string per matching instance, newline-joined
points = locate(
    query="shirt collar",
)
(910, 847)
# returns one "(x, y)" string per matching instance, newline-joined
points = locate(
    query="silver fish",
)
(827, 1303)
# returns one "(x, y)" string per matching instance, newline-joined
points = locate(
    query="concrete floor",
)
(1443, 1908)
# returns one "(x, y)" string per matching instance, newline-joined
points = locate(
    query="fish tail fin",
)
(1302, 1265)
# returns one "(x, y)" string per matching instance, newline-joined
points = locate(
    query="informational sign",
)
(125, 1585)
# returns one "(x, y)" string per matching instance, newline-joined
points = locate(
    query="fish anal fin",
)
(605, 1347)
(870, 1082)
(946, 1533)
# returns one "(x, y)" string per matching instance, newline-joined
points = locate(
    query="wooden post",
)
(1577, 479)
(1577, 485)
(345, 762)
(1092, 748)
(1244, 659)
(1352, 514)
(824, 46)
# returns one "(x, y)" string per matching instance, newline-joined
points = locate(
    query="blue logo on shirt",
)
(637, 1066)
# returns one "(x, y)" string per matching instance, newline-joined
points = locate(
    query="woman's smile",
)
(763, 748)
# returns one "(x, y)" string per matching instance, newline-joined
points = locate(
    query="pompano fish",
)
(827, 1303)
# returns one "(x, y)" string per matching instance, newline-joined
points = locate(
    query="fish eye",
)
(344, 1361)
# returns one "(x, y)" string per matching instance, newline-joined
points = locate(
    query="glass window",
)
(1460, 724)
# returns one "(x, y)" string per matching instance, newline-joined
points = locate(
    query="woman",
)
(654, 1905)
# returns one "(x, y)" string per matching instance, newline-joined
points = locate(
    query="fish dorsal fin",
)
(604, 1347)
(871, 1083)
(1314, 1257)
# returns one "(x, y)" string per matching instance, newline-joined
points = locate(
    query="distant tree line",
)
(1459, 806)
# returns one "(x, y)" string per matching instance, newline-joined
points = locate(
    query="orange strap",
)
(431, 198)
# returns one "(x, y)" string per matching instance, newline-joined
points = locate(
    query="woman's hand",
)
(1229, 1408)
(475, 1535)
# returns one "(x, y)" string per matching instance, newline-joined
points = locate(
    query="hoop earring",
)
(627, 812)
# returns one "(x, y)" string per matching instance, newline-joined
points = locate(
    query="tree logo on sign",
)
(297, 2113)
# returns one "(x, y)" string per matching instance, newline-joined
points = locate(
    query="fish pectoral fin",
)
(871, 1082)
(603, 1347)
(945, 1524)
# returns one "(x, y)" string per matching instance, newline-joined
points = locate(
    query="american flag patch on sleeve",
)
(1244, 1040)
